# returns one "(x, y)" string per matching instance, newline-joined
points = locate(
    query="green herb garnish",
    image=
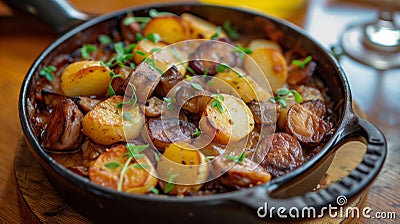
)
(302, 63)
(282, 95)
(170, 102)
(154, 13)
(139, 52)
(129, 20)
(132, 100)
(197, 133)
(104, 39)
(217, 33)
(123, 55)
(155, 49)
(112, 165)
(140, 166)
(197, 86)
(242, 51)
(110, 90)
(155, 37)
(217, 102)
(87, 49)
(237, 159)
(231, 31)
(156, 157)
(139, 37)
(48, 72)
(170, 182)
(188, 78)
(152, 64)
(134, 151)
(154, 190)
(127, 116)
(226, 68)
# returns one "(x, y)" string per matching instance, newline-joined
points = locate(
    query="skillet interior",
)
(248, 23)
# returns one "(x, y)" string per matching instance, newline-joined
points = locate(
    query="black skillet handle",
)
(59, 14)
(338, 193)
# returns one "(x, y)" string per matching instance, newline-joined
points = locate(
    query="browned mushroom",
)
(85, 103)
(307, 127)
(263, 112)
(212, 53)
(168, 80)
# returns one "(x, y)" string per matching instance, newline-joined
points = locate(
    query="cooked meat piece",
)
(84, 103)
(145, 79)
(298, 76)
(306, 126)
(63, 131)
(212, 53)
(191, 99)
(163, 132)
(129, 31)
(51, 99)
(263, 112)
(168, 80)
(119, 84)
(279, 154)
(240, 174)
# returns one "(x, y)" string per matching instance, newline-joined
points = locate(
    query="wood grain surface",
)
(377, 93)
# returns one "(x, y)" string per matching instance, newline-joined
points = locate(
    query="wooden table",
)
(377, 93)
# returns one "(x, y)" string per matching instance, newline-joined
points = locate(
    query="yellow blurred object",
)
(279, 8)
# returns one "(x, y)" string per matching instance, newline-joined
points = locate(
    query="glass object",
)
(377, 43)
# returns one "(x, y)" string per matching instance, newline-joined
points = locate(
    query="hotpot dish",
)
(291, 190)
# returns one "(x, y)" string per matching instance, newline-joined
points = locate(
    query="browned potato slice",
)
(233, 123)
(247, 88)
(316, 107)
(85, 78)
(279, 154)
(263, 43)
(200, 28)
(182, 169)
(307, 127)
(170, 28)
(310, 93)
(241, 174)
(144, 48)
(139, 178)
(272, 64)
(105, 124)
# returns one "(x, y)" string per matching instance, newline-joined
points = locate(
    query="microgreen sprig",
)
(226, 68)
(217, 33)
(197, 133)
(111, 91)
(230, 30)
(242, 51)
(282, 95)
(48, 72)
(170, 182)
(302, 63)
(123, 55)
(170, 102)
(129, 20)
(134, 152)
(132, 100)
(155, 37)
(104, 39)
(217, 102)
(197, 86)
(236, 159)
(87, 49)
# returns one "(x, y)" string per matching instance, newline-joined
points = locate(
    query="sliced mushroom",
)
(145, 79)
(279, 154)
(119, 84)
(63, 130)
(164, 132)
(153, 107)
(85, 103)
(263, 112)
(212, 53)
(191, 100)
(307, 127)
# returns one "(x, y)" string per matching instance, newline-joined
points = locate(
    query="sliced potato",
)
(247, 88)
(105, 124)
(263, 43)
(85, 78)
(272, 64)
(139, 178)
(232, 124)
(170, 28)
(182, 169)
(200, 28)
(144, 48)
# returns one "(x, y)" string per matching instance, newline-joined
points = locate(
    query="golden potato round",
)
(144, 48)
(232, 124)
(199, 28)
(183, 168)
(85, 78)
(105, 123)
(170, 28)
(263, 43)
(272, 64)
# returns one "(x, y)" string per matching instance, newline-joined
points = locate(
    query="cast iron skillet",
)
(290, 191)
